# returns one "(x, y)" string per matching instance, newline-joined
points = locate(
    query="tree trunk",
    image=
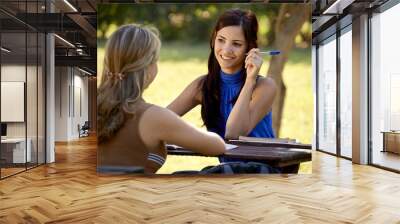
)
(288, 24)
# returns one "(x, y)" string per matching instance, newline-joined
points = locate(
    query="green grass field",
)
(180, 64)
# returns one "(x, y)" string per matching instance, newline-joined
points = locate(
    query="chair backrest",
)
(86, 125)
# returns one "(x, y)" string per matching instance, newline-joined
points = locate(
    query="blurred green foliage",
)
(191, 23)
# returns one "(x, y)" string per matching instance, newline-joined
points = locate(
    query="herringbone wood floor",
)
(70, 191)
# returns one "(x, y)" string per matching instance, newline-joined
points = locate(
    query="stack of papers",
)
(227, 146)
(230, 146)
(267, 140)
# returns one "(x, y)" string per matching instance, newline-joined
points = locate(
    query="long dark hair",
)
(210, 108)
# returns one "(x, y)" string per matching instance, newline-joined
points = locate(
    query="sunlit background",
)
(185, 30)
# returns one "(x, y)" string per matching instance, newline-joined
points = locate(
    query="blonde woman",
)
(132, 132)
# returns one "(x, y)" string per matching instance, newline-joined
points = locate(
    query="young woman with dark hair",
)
(235, 100)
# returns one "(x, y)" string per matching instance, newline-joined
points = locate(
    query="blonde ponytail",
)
(129, 51)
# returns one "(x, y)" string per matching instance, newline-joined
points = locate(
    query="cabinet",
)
(391, 141)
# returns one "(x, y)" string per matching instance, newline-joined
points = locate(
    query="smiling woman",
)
(235, 99)
(230, 47)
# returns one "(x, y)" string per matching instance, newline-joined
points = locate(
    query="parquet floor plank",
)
(70, 191)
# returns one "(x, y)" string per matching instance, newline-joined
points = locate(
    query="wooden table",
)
(275, 154)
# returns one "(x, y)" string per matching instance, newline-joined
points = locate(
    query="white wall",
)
(61, 103)
(13, 73)
(71, 94)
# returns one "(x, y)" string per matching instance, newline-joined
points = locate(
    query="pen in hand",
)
(271, 53)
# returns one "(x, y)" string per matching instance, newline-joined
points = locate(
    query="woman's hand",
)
(253, 63)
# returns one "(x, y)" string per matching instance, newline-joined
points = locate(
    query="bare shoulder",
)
(198, 82)
(266, 83)
(264, 93)
(197, 85)
(154, 121)
(156, 114)
(200, 78)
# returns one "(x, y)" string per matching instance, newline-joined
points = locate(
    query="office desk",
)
(286, 158)
(13, 150)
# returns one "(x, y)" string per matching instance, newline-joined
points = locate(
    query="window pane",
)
(345, 94)
(327, 96)
(15, 150)
(386, 88)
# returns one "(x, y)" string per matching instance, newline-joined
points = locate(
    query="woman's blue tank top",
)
(229, 90)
